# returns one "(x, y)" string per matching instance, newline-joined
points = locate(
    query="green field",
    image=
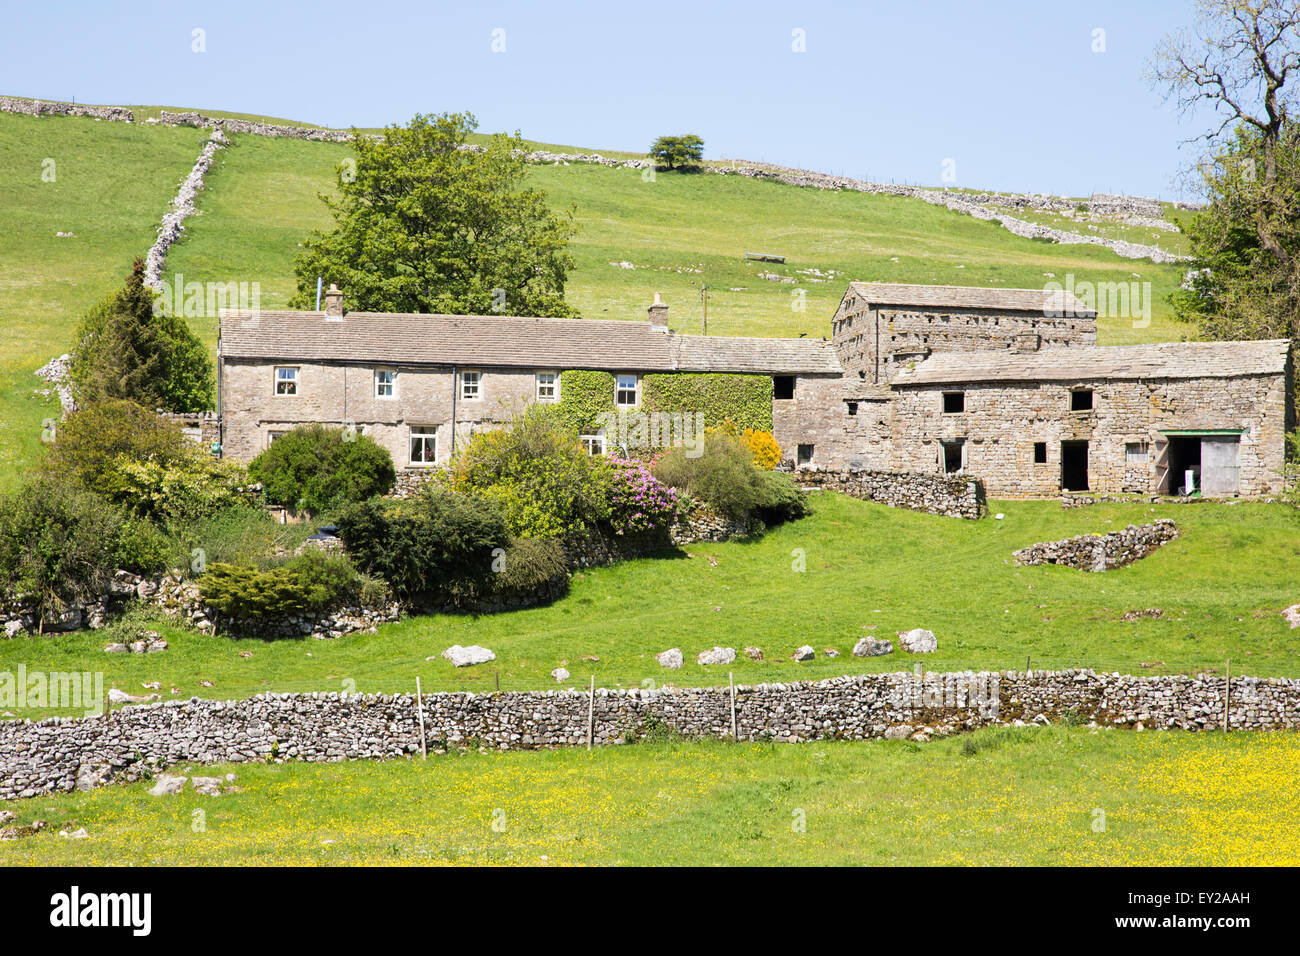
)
(1001, 796)
(869, 570)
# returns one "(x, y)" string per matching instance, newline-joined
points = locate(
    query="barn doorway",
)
(1204, 462)
(1074, 466)
(1184, 464)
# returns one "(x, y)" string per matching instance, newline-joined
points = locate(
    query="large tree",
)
(424, 224)
(130, 348)
(1242, 60)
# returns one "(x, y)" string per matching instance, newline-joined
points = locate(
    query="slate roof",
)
(969, 297)
(495, 341)
(1089, 362)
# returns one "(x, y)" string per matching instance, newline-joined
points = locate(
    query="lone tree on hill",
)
(129, 348)
(1243, 61)
(677, 151)
(424, 224)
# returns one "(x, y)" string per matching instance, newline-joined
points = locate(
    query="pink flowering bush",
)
(639, 503)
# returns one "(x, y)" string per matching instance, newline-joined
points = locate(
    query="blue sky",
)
(1011, 92)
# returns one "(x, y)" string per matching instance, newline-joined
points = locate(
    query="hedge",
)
(744, 399)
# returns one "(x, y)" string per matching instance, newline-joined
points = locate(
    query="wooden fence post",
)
(732, 684)
(419, 709)
(1227, 691)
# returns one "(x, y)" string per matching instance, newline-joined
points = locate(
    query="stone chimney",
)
(658, 314)
(1026, 342)
(334, 302)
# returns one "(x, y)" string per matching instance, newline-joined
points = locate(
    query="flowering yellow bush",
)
(766, 452)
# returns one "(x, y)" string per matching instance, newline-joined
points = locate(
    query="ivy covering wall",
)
(744, 399)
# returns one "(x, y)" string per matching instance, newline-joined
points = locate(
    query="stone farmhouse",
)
(1007, 385)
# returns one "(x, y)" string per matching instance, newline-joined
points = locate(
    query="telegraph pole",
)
(704, 297)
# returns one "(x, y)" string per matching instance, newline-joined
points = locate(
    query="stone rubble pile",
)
(142, 742)
(1101, 552)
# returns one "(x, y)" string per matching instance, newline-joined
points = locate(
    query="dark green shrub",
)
(317, 468)
(530, 566)
(89, 442)
(428, 548)
(783, 499)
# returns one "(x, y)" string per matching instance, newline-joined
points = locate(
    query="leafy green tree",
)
(678, 151)
(423, 224)
(89, 442)
(127, 347)
(316, 468)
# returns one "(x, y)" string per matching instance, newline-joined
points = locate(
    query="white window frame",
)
(591, 440)
(278, 380)
(554, 386)
(635, 389)
(391, 383)
(426, 434)
(273, 434)
(465, 385)
(1144, 448)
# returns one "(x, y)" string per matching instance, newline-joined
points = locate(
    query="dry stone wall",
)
(1101, 552)
(52, 755)
(956, 496)
(173, 223)
(14, 104)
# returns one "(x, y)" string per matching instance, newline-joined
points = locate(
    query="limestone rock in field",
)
(870, 647)
(467, 656)
(116, 649)
(754, 653)
(918, 641)
(13, 628)
(208, 786)
(719, 655)
(1292, 615)
(901, 732)
(167, 785)
(116, 696)
(671, 658)
(805, 653)
(560, 675)
(830, 652)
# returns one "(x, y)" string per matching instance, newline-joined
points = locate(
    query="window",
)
(954, 402)
(272, 436)
(783, 387)
(805, 453)
(1136, 453)
(853, 408)
(594, 443)
(548, 386)
(954, 456)
(385, 383)
(1040, 453)
(625, 391)
(1081, 400)
(424, 444)
(286, 380)
(469, 385)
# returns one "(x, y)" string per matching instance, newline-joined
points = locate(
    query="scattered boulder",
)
(116, 696)
(167, 785)
(1292, 615)
(22, 830)
(560, 675)
(208, 786)
(671, 658)
(901, 732)
(830, 652)
(918, 641)
(871, 647)
(468, 656)
(719, 655)
(117, 649)
(13, 628)
(805, 653)
(754, 653)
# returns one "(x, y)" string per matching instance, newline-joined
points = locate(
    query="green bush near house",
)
(89, 442)
(745, 400)
(60, 543)
(537, 472)
(190, 488)
(310, 583)
(439, 545)
(725, 477)
(316, 468)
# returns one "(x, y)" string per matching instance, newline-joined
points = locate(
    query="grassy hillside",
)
(1003, 796)
(678, 232)
(112, 183)
(953, 577)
